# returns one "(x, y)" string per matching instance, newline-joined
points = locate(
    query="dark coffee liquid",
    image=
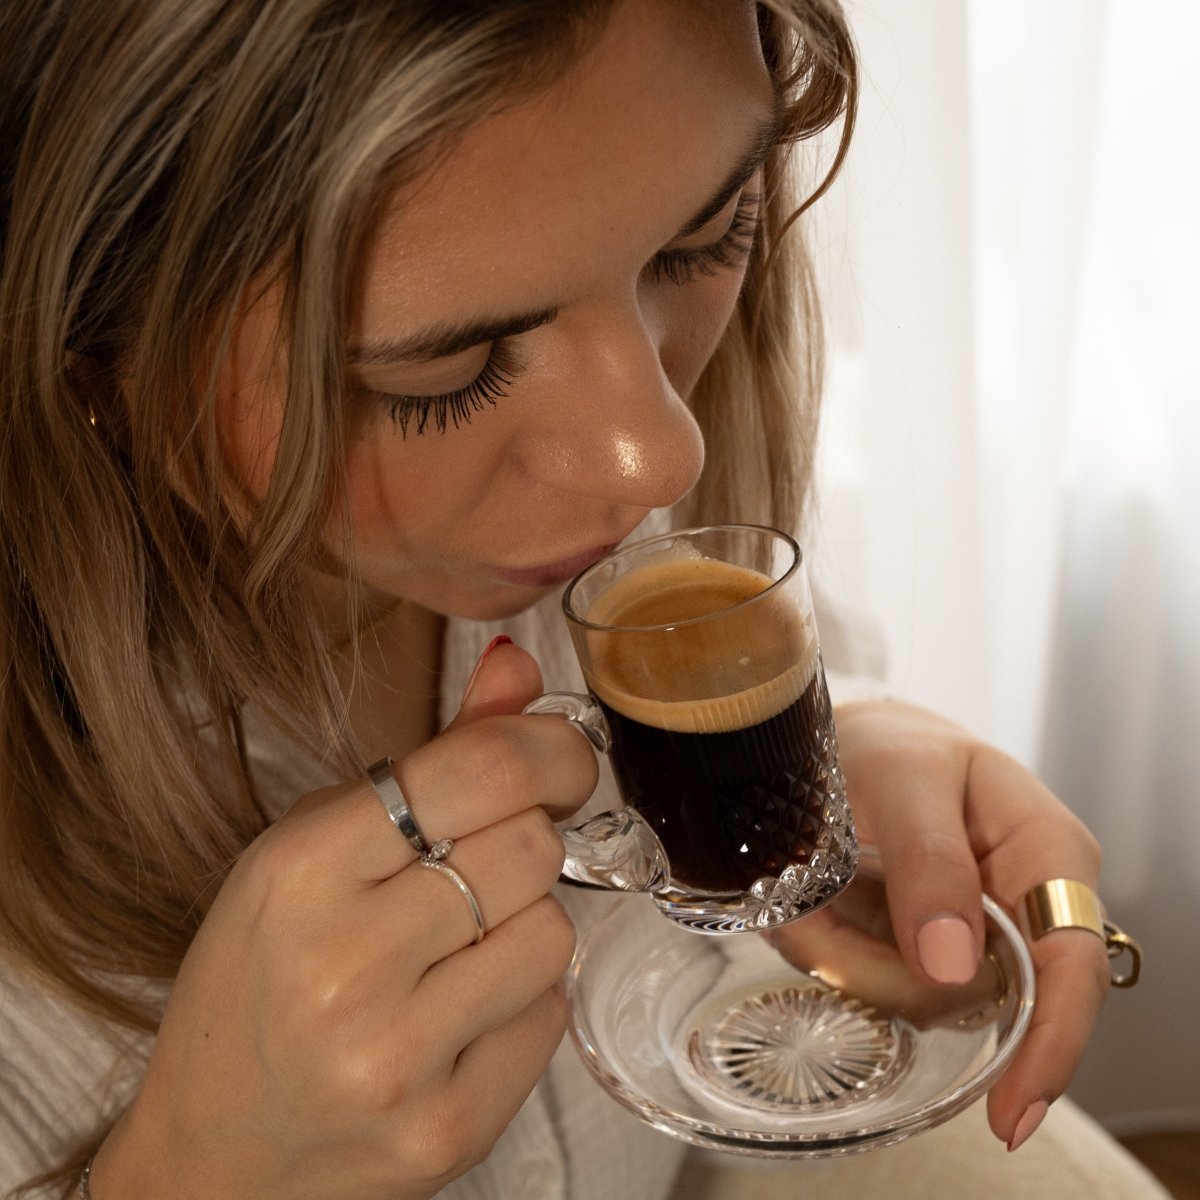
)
(730, 807)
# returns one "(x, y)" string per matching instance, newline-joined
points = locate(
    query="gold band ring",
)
(435, 859)
(1070, 904)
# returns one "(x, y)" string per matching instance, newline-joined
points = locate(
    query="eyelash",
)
(458, 407)
(731, 250)
(678, 267)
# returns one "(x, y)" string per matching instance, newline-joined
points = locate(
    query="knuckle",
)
(326, 1002)
(495, 757)
(555, 1011)
(1069, 826)
(1070, 832)
(1089, 847)
(270, 854)
(292, 849)
(939, 851)
(451, 1143)
(556, 931)
(360, 1075)
(325, 1010)
(571, 745)
(537, 841)
(272, 866)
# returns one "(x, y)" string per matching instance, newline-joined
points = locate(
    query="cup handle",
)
(616, 850)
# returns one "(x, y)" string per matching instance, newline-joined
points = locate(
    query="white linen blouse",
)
(61, 1071)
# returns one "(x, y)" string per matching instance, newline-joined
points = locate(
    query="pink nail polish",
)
(501, 640)
(946, 948)
(1031, 1118)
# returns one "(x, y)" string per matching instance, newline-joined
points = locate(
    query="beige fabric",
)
(61, 1074)
(1068, 1158)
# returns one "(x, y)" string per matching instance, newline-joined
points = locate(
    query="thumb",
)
(505, 679)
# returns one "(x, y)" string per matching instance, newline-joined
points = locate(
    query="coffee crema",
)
(701, 676)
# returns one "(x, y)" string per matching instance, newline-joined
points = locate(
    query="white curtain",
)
(1010, 461)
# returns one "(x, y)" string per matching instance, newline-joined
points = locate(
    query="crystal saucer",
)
(720, 1042)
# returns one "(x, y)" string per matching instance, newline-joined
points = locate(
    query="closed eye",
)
(456, 407)
(682, 265)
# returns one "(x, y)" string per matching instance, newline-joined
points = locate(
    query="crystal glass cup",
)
(706, 690)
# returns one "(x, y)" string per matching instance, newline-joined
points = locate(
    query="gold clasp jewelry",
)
(1119, 942)
(1070, 904)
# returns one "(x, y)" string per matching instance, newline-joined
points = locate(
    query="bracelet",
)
(85, 1190)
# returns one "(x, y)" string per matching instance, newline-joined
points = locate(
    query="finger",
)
(505, 679)
(1043, 841)
(461, 782)
(488, 985)
(491, 768)
(454, 1125)
(507, 867)
(1022, 833)
(495, 1073)
(1072, 983)
(1028, 839)
(826, 944)
(509, 765)
(851, 942)
(915, 796)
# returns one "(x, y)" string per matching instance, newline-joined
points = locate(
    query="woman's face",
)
(534, 315)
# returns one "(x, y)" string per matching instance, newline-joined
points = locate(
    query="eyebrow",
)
(766, 136)
(443, 341)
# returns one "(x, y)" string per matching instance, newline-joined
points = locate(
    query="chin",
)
(501, 605)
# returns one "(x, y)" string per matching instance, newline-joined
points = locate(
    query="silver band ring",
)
(392, 799)
(435, 859)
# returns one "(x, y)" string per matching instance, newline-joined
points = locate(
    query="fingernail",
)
(1031, 1118)
(502, 640)
(946, 948)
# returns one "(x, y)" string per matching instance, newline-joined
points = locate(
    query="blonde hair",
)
(156, 159)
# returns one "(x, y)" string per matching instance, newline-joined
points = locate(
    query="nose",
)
(613, 427)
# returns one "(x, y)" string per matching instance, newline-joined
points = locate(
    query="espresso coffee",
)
(722, 731)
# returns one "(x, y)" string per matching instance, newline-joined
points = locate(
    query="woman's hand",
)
(951, 816)
(333, 1031)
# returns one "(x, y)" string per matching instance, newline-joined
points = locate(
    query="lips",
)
(552, 574)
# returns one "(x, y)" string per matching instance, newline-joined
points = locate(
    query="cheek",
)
(378, 491)
(251, 384)
(693, 320)
(399, 485)
(249, 438)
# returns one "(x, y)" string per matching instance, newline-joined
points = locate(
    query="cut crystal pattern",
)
(799, 1048)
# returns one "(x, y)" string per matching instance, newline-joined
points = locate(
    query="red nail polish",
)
(501, 640)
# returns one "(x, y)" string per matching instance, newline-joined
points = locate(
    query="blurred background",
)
(1010, 460)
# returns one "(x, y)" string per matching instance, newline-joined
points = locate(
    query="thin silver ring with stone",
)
(435, 859)
(383, 779)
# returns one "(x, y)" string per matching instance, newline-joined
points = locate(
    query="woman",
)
(331, 331)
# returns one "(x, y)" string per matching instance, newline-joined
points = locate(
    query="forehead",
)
(603, 165)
